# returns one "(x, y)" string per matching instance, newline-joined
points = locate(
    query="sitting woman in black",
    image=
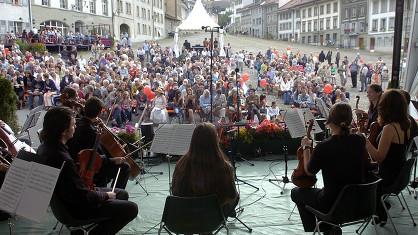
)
(205, 170)
(341, 160)
(78, 199)
(390, 152)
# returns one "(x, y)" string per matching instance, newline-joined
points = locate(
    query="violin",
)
(7, 142)
(362, 118)
(5, 156)
(71, 102)
(299, 176)
(110, 142)
(90, 163)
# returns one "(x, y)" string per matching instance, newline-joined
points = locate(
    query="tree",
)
(223, 19)
(8, 104)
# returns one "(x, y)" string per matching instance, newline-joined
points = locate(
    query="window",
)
(128, 8)
(382, 25)
(392, 5)
(375, 7)
(328, 8)
(78, 6)
(353, 12)
(391, 23)
(60, 26)
(138, 25)
(383, 6)
(362, 27)
(3, 28)
(315, 12)
(148, 15)
(321, 10)
(104, 7)
(137, 14)
(120, 6)
(315, 25)
(92, 5)
(347, 13)
(362, 11)
(303, 26)
(309, 12)
(335, 8)
(45, 2)
(309, 26)
(297, 14)
(353, 27)
(374, 25)
(335, 22)
(328, 23)
(63, 4)
(303, 13)
(144, 29)
(321, 24)
(144, 15)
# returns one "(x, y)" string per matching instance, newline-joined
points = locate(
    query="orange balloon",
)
(150, 95)
(263, 82)
(147, 90)
(328, 89)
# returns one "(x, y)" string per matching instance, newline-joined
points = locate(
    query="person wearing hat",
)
(159, 112)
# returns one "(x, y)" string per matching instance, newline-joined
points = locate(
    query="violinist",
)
(374, 92)
(84, 138)
(69, 98)
(340, 158)
(81, 202)
(393, 142)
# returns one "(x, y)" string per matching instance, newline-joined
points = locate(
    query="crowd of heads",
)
(131, 81)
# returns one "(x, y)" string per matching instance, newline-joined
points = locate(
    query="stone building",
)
(14, 16)
(354, 23)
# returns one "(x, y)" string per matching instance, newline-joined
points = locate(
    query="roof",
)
(293, 3)
(197, 18)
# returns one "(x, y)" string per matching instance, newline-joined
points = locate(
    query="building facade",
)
(289, 21)
(270, 29)
(381, 24)
(140, 19)
(92, 16)
(175, 13)
(354, 23)
(320, 22)
(14, 16)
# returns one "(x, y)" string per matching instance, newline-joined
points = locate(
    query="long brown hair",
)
(393, 108)
(204, 169)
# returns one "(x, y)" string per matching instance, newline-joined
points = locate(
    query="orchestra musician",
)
(340, 158)
(84, 138)
(390, 152)
(374, 92)
(77, 198)
(205, 170)
(69, 98)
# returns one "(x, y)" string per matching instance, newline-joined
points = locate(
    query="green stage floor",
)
(265, 210)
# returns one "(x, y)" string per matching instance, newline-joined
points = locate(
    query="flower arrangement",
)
(270, 130)
(246, 134)
(128, 135)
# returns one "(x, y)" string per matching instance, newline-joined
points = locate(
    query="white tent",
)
(197, 18)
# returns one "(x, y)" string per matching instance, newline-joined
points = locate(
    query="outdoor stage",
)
(266, 211)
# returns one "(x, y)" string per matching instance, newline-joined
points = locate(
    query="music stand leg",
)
(169, 173)
(244, 182)
(243, 159)
(140, 185)
(285, 180)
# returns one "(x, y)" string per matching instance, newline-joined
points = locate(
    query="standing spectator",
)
(353, 71)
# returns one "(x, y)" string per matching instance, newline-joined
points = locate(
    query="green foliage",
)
(223, 19)
(31, 47)
(8, 104)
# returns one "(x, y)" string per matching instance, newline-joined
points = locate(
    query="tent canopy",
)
(197, 18)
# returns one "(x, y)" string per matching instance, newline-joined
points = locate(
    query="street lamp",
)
(211, 30)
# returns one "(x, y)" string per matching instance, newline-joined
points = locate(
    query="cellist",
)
(77, 198)
(340, 158)
(84, 138)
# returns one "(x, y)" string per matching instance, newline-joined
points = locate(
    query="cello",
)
(299, 176)
(90, 163)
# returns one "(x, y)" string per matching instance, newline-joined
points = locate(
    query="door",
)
(321, 40)
(372, 43)
(361, 43)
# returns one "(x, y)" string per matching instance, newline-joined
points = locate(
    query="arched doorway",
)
(78, 27)
(124, 29)
(54, 24)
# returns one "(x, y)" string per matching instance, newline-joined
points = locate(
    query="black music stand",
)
(30, 122)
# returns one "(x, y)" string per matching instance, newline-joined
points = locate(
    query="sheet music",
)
(38, 192)
(27, 189)
(14, 183)
(173, 139)
(294, 123)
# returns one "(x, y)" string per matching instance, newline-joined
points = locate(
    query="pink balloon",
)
(263, 82)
